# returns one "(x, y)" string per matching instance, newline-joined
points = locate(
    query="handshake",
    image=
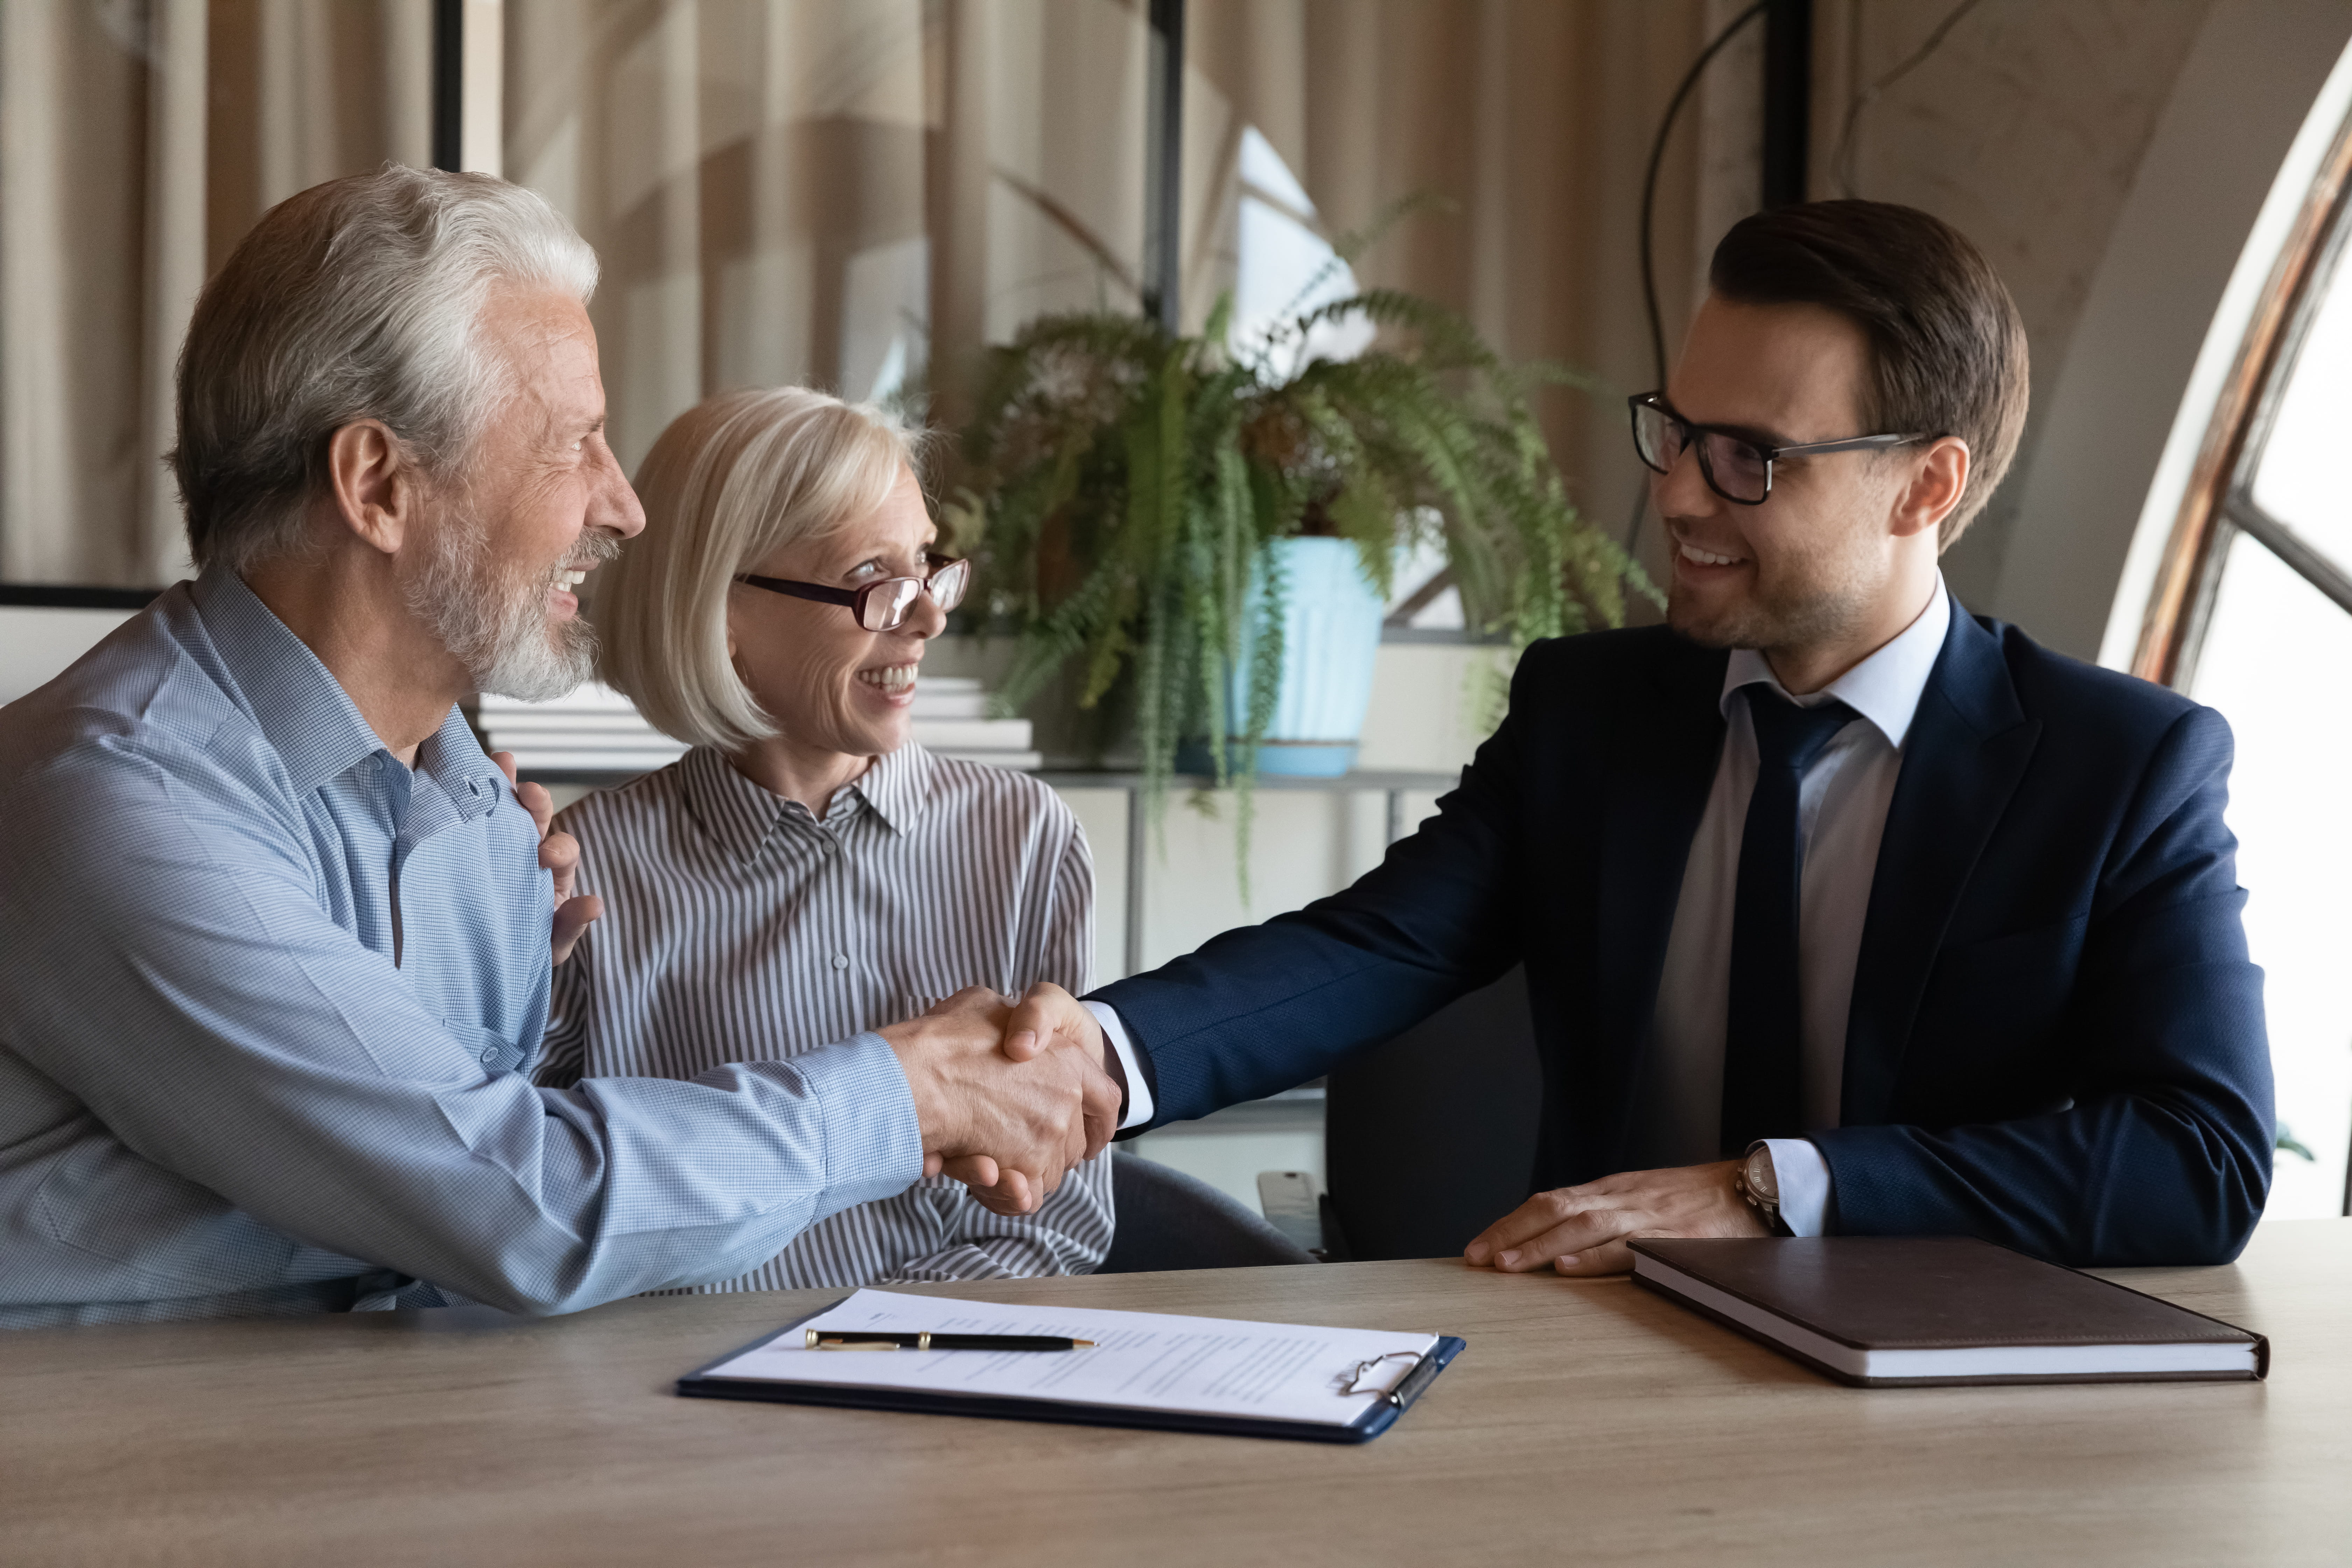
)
(1009, 1093)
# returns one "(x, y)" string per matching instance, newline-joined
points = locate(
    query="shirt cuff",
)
(873, 1139)
(1138, 1088)
(1802, 1177)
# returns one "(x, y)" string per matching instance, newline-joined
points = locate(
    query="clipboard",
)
(1383, 1413)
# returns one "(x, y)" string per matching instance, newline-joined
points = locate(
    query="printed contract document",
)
(1140, 1362)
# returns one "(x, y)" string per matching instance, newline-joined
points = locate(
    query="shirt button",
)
(841, 960)
(490, 1054)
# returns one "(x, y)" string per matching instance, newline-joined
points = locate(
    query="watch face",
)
(1759, 1174)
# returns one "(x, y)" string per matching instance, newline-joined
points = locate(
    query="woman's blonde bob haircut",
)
(731, 480)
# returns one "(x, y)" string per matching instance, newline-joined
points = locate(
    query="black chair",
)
(1430, 1138)
(1170, 1220)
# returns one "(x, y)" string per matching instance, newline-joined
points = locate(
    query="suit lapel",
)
(1658, 787)
(1968, 746)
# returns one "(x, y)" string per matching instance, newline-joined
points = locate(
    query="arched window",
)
(2253, 615)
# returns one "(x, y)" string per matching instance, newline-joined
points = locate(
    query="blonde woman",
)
(807, 871)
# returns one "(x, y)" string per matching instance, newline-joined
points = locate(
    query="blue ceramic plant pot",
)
(1330, 636)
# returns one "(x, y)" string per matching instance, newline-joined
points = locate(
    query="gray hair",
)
(359, 298)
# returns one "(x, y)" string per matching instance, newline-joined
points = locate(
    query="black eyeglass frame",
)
(854, 600)
(1655, 402)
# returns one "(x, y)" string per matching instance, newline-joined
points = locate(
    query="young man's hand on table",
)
(1583, 1230)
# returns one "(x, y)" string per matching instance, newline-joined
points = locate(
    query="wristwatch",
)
(1755, 1182)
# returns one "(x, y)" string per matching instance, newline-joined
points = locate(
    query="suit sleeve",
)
(2164, 1155)
(1265, 1007)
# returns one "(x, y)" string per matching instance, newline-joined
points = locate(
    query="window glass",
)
(2304, 479)
(1284, 267)
(2274, 661)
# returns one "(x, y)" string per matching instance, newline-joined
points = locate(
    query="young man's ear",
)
(1939, 477)
(375, 486)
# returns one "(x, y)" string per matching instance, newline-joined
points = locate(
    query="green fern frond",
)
(1123, 489)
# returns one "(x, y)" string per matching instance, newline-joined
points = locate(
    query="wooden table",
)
(1587, 1422)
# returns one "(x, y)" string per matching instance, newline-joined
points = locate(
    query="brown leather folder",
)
(1912, 1311)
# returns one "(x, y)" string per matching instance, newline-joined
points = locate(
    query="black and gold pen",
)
(843, 1340)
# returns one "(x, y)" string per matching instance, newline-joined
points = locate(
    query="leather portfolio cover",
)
(1881, 1311)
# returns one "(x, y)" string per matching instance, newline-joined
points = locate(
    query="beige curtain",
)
(822, 190)
(831, 191)
(139, 141)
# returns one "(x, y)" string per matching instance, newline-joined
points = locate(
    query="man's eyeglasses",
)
(884, 606)
(1735, 467)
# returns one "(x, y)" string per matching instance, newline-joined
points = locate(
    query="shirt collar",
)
(898, 785)
(300, 707)
(305, 714)
(735, 813)
(739, 815)
(452, 757)
(1885, 688)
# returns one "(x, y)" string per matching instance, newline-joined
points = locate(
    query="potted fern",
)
(1203, 539)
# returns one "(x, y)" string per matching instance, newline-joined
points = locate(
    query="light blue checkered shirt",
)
(268, 1004)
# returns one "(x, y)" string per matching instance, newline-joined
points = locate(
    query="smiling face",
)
(1819, 561)
(834, 688)
(542, 502)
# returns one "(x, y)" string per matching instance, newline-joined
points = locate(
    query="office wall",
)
(36, 644)
(2025, 128)
(2110, 156)
(2249, 123)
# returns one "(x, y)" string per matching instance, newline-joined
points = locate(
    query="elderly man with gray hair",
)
(276, 937)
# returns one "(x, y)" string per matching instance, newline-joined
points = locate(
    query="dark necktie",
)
(1763, 1054)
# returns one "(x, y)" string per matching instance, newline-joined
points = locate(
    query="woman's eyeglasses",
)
(884, 606)
(1735, 468)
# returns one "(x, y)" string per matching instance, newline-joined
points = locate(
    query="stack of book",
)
(596, 730)
(952, 721)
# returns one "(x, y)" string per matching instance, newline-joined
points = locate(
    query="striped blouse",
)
(739, 927)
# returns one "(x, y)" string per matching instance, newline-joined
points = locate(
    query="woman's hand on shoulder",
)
(559, 854)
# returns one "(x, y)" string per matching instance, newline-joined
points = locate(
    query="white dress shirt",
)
(1841, 804)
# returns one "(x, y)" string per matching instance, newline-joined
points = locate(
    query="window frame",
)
(2218, 502)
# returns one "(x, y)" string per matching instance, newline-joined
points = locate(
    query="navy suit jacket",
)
(2057, 1041)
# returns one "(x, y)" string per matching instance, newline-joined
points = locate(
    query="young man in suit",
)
(1843, 911)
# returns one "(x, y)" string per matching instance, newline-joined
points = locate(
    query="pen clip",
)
(816, 1339)
(1410, 1386)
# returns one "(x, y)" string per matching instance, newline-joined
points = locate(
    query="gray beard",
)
(497, 625)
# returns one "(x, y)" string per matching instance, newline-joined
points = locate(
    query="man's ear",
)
(377, 488)
(1938, 478)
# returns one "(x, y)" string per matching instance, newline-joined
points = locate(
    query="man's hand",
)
(1045, 1012)
(1013, 1127)
(1583, 1230)
(1045, 1016)
(558, 853)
